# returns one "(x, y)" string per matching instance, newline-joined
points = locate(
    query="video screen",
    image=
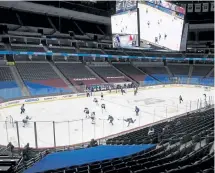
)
(160, 26)
(124, 5)
(125, 41)
(125, 29)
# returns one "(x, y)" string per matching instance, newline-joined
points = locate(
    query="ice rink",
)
(72, 127)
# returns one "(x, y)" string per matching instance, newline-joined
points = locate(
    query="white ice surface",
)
(154, 104)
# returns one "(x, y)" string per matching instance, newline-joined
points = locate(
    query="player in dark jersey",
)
(129, 121)
(180, 99)
(110, 119)
(137, 110)
(22, 109)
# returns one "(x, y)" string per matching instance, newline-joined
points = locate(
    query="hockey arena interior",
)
(107, 86)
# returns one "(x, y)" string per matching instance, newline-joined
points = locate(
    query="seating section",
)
(179, 70)
(109, 74)
(24, 48)
(41, 79)
(130, 71)
(184, 144)
(159, 73)
(114, 52)
(90, 51)
(201, 70)
(21, 58)
(192, 125)
(2, 48)
(7, 162)
(8, 86)
(77, 74)
(133, 53)
(198, 75)
(57, 49)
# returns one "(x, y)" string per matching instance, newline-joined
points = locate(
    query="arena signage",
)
(32, 100)
(103, 56)
(67, 96)
(13, 102)
(49, 98)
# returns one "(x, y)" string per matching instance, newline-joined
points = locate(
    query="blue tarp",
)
(83, 156)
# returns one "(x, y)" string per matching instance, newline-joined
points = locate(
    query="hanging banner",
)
(197, 7)
(189, 8)
(184, 6)
(205, 7)
(212, 6)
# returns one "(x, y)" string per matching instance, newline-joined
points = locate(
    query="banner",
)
(124, 5)
(205, 7)
(32, 100)
(189, 8)
(184, 6)
(197, 7)
(107, 56)
(212, 6)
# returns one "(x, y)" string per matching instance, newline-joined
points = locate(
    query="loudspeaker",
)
(40, 31)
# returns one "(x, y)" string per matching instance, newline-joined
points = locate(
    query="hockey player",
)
(22, 109)
(103, 107)
(122, 91)
(156, 40)
(148, 23)
(25, 121)
(27, 118)
(102, 96)
(93, 117)
(95, 101)
(110, 89)
(88, 94)
(87, 112)
(205, 96)
(180, 99)
(110, 119)
(135, 91)
(137, 110)
(129, 121)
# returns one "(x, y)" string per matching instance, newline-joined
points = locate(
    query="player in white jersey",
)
(93, 117)
(87, 112)
(95, 100)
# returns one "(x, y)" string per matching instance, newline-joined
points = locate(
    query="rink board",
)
(34, 100)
